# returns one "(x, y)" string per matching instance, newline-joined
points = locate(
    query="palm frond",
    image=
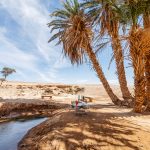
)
(72, 29)
(111, 60)
(56, 36)
(101, 47)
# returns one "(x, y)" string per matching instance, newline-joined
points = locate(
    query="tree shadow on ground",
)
(96, 133)
(93, 131)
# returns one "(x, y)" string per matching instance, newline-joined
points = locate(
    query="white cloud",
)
(10, 55)
(62, 63)
(32, 17)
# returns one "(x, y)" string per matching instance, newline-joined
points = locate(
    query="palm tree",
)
(146, 24)
(142, 50)
(73, 30)
(104, 16)
(7, 71)
(129, 13)
(138, 65)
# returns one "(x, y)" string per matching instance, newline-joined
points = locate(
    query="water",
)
(12, 132)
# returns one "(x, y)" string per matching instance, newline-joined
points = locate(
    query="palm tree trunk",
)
(118, 54)
(146, 21)
(139, 84)
(147, 75)
(138, 66)
(101, 76)
(5, 76)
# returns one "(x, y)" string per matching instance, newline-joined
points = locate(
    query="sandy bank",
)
(105, 127)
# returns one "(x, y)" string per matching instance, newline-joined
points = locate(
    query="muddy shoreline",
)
(13, 110)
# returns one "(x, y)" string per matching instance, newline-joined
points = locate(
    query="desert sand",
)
(102, 127)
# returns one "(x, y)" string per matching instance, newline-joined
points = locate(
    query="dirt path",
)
(104, 127)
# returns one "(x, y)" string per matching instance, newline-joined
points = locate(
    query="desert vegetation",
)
(75, 28)
(6, 71)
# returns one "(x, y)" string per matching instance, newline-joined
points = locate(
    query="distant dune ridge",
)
(13, 90)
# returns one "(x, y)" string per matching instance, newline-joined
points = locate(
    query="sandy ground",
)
(103, 127)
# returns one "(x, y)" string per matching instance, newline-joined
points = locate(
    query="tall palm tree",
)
(143, 40)
(73, 30)
(146, 24)
(104, 16)
(130, 13)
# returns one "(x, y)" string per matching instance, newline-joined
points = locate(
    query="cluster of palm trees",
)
(125, 22)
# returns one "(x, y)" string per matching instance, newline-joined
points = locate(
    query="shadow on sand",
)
(93, 131)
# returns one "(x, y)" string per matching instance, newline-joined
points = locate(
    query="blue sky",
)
(23, 46)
